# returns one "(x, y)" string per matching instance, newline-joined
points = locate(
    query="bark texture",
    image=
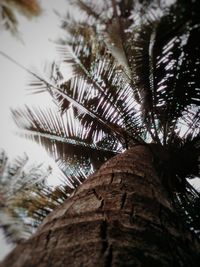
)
(121, 216)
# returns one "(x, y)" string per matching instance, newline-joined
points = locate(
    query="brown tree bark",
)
(121, 216)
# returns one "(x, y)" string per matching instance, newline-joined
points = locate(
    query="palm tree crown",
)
(135, 81)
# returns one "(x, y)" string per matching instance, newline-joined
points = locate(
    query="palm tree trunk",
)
(121, 216)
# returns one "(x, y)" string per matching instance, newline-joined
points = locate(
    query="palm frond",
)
(65, 137)
(66, 100)
(107, 102)
(165, 52)
(25, 196)
(38, 201)
(11, 172)
(17, 180)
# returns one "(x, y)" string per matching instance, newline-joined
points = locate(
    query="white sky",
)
(33, 51)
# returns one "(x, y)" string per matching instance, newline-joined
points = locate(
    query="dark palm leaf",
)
(72, 99)
(166, 51)
(65, 137)
(106, 102)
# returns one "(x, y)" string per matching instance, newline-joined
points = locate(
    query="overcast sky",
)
(33, 51)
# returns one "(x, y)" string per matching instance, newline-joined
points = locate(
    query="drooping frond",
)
(98, 93)
(66, 137)
(65, 97)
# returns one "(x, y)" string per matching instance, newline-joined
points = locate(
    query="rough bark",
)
(121, 216)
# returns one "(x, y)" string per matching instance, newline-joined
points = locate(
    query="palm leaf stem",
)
(67, 140)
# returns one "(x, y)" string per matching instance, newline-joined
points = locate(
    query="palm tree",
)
(8, 8)
(133, 99)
